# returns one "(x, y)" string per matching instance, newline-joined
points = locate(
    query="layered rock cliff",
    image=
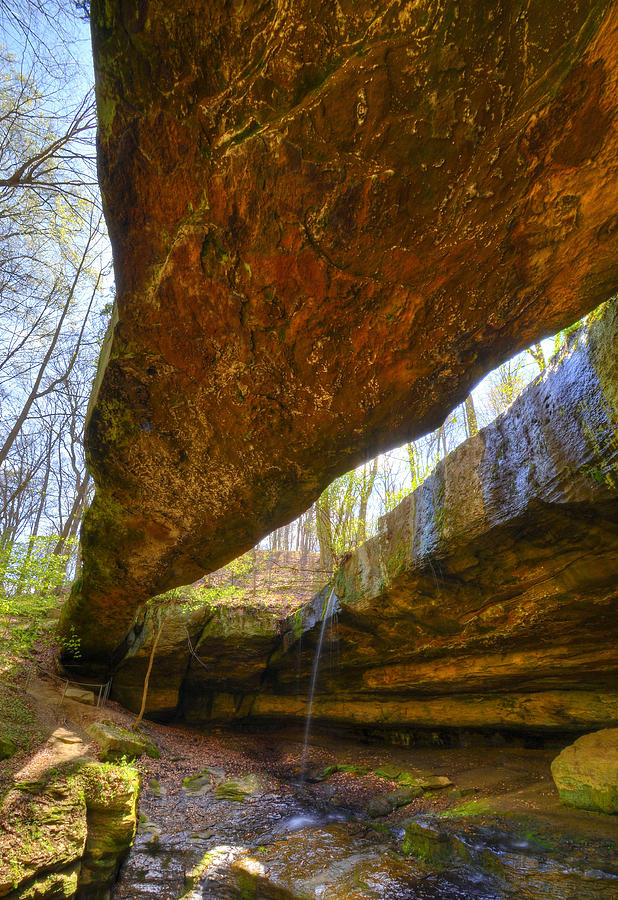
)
(489, 599)
(328, 221)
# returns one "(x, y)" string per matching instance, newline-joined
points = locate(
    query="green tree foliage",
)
(32, 578)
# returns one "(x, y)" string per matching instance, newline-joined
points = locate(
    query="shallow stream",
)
(244, 827)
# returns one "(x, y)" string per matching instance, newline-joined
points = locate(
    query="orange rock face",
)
(328, 221)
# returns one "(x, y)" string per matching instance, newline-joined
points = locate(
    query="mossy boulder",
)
(239, 789)
(110, 794)
(157, 788)
(586, 772)
(412, 785)
(7, 747)
(202, 782)
(429, 842)
(117, 742)
(329, 771)
(386, 803)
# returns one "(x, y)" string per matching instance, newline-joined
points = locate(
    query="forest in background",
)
(56, 295)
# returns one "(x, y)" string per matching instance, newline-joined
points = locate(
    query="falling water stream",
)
(314, 678)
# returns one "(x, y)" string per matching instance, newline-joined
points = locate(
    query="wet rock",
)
(382, 806)
(429, 842)
(325, 861)
(116, 742)
(203, 782)
(321, 242)
(520, 856)
(586, 772)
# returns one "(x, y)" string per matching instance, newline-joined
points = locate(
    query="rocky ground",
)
(224, 814)
(245, 827)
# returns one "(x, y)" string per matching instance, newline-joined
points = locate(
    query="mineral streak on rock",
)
(328, 221)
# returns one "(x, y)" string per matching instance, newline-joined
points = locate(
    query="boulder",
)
(79, 695)
(239, 789)
(116, 742)
(586, 772)
(386, 803)
(328, 222)
(203, 782)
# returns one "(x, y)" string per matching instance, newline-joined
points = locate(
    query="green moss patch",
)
(239, 789)
(117, 742)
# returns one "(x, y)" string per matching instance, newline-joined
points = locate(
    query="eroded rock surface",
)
(66, 834)
(328, 220)
(489, 597)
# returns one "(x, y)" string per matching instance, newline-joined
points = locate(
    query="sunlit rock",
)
(586, 772)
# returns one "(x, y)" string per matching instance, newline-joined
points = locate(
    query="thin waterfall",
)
(314, 678)
(334, 660)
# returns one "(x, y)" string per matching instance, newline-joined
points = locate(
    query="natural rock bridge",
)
(328, 221)
(488, 600)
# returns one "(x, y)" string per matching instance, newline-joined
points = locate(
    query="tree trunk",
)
(37, 521)
(35, 391)
(72, 522)
(366, 489)
(324, 530)
(442, 441)
(471, 416)
(254, 569)
(536, 352)
(148, 671)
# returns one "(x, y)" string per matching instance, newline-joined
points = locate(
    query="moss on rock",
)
(239, 789)
(68, 832)
(117, 742)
